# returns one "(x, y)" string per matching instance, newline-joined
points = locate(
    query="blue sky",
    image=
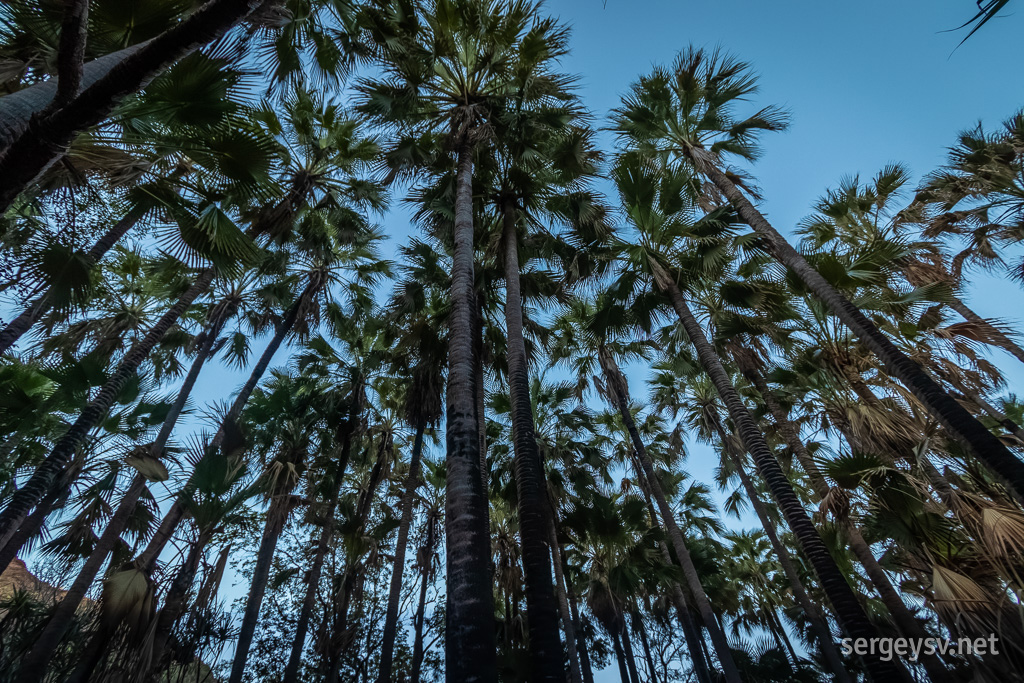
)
(867, 83)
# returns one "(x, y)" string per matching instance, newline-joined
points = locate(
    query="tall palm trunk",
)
(387, 649)
(46, 474)
(355, 572)
(31, 315)
(174, 605)
(581, 642)
(346, 433)
(637, 622)
(627, 650)
(848, 610)
(905, 621)
(32, 525)
(33, 667)
(176, 512)
(617, 389)
(694, 642)
(277, 515)
(469, 630)
(620, 658)
(46, 644)
(425, 558)
(821, 629)
(541, 613)
(42, 139)
(979, 441)
(568, 625)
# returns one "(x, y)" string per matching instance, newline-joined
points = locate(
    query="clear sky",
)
(867, 82)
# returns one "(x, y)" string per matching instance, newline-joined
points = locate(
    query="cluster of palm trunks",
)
(181, 181)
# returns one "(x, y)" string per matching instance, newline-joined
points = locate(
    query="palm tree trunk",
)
(568, 625)
(41, 140)
(174, 605)
(821, 629)
(694, 642)
(33, 667)
(955, 418)
(33, 523)
(46, 474)
(395, 591)
(581, 642)
(620, 658)
(638, 628)
(345, 435)
(905, 621)
(848, 610)
(627, 651)
(541, 615)
(31, 315)
(176, 512)
(277, 515)
(426, 559)
(469, 632)
(616, 384)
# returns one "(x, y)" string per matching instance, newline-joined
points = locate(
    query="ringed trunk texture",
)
(979, 441)
(469, 629)
(44, 138)
(617, 386)
(395, 590)
(531, 483)
(851, 616)
(46, 474)
(905, 621)
(824, 634)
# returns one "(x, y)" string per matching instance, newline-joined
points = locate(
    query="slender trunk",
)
(694, 642)
(33, 667)
(617, 388)
(784, 637)
(42, 139)
(955, 418)
(581, 642)
(620, 658)
(61, 620)
(395, 591)
(353, 577)
(568, 625)
(627, 650)
(31, 315)
(997, 335)
(426, 560)
(469, 633)
(848, 610)
(541, 614)
(639, 629)
(277, 515)
(905, 621)
(999, 416)
(174, 605)
(176, 512)
(46, 474)
(346, 433)
(814, 616)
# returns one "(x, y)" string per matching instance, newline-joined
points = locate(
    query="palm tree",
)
(449, 74)
(422, 407)
(659, 214)
(686, 112)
